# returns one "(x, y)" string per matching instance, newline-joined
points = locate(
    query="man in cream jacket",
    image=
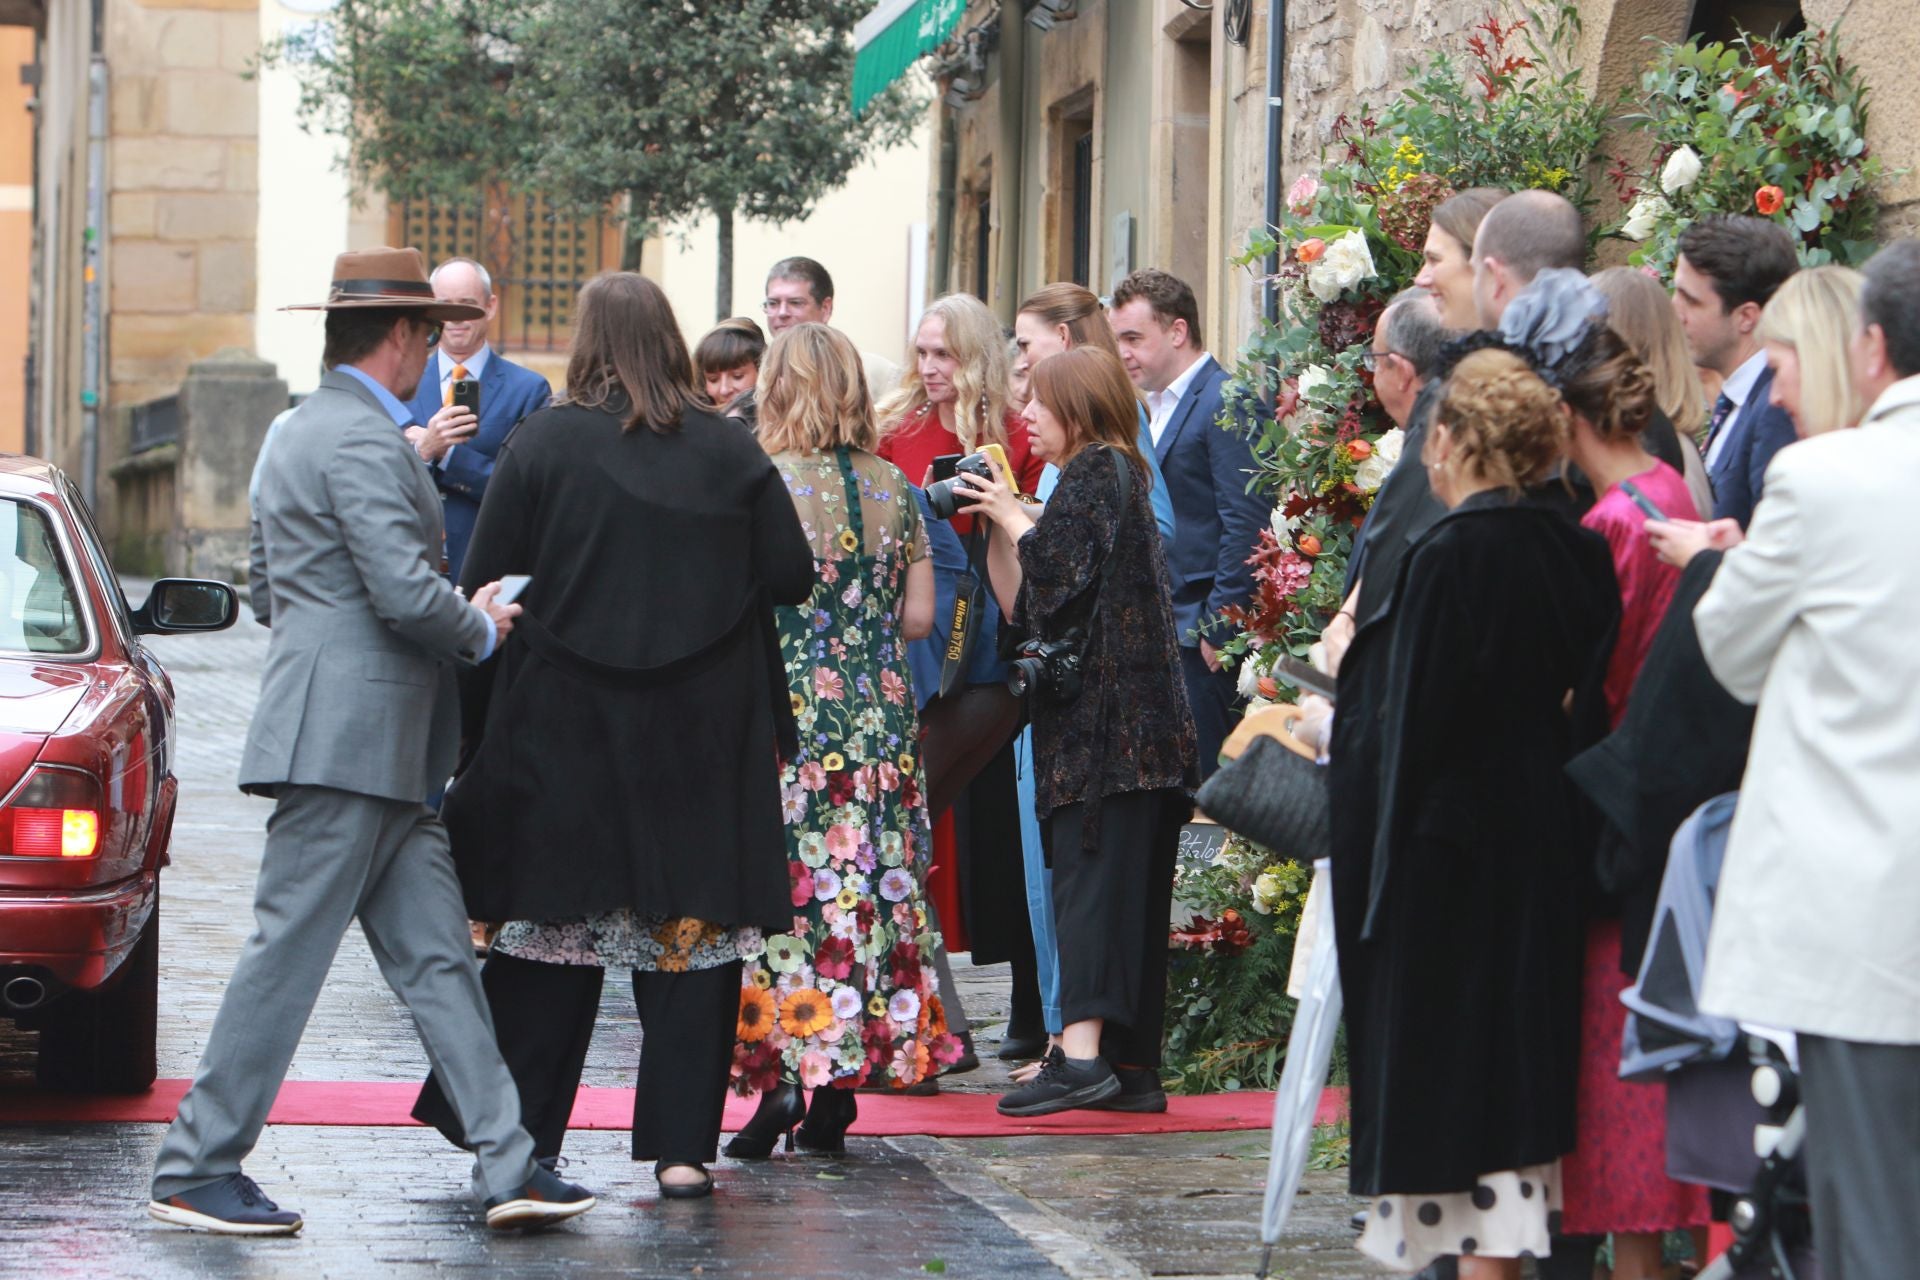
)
(1816, 617)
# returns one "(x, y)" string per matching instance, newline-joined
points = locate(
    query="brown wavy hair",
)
(1088, 390)
(1507, 425)
(813, 393)
(1613, 389)
(627, 355)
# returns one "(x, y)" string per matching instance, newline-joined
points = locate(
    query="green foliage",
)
(1509, 113)
(1775, 130)
(661, 111)
(1331, 1147)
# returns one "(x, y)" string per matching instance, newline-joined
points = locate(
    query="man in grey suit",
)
(357, 724)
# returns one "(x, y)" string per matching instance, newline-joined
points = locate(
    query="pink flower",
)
(863, 782)
(828, 684)
(802, 883)
(816, 1069)
(842, 842)
(829, 572)
(889, 777)
(895, 885)
(893, 688)
(1300, 195)
(813, 776)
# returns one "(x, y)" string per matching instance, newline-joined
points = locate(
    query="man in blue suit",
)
(1207, 468)
(458, 448)
(1727, 271)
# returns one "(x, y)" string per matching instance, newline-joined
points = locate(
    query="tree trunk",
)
(723, 284)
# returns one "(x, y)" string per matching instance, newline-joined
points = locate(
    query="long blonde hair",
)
(1639, 311)
(1814, 312)
(979, 383)
(813, 393)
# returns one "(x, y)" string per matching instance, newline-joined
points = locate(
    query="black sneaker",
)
(1140, 1091)
(543, 1201)
(1063, 1084)
(233, 1206)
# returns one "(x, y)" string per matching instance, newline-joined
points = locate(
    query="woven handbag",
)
(1274, 797)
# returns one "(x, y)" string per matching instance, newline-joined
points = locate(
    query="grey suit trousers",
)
(331, 856)
(1863, 1155)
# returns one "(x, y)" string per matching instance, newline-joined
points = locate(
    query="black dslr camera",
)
(1050, 666)
(943, 494)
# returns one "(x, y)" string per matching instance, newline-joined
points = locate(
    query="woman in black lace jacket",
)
(1116, 760)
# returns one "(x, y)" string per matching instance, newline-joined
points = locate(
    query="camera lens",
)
(1023, 674)
(942, 499)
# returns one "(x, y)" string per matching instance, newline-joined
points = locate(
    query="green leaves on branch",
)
(662, 110)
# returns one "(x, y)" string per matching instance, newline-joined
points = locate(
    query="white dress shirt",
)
(1737, 387)
(1815, 616)
(1161, 404)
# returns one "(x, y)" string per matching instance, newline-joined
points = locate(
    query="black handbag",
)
(1274, 797)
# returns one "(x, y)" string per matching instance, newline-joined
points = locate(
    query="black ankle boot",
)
(782, 1108)
(828, 1119)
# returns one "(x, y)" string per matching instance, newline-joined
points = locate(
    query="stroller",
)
(1724, 1081)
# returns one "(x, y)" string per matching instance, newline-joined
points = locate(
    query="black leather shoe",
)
(781, 1110)
(828, 1119)
(683, 1190)
(1021, 1044)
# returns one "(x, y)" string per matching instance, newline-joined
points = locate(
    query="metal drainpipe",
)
(1009, 161)
(943, 205)
(92, 325)
(1276, 84)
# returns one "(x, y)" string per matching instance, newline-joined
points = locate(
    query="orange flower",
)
(1311, 250)
(804, 1013)
(934, 1014)
(1308, 544)
(756, 1015)
(1267, 687)
(1359, 450)
(1769, 200)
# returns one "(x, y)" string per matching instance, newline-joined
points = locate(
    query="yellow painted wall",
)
(16, 232)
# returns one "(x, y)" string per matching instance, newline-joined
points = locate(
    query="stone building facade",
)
(1166, 103)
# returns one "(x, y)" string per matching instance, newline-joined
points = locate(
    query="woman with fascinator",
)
(1456, 860)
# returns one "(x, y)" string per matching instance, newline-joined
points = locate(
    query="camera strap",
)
(969, 597)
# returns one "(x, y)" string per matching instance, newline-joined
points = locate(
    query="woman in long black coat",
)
(619, 803)
(1457, 859)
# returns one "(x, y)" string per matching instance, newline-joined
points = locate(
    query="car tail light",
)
(56, 814)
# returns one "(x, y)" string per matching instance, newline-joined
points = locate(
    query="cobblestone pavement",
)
(392, 1201)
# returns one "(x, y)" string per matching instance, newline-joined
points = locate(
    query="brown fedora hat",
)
(386, 278)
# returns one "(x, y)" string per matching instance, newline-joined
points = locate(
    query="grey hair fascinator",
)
(1550, 320)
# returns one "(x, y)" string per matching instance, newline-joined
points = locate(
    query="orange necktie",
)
(459, 372)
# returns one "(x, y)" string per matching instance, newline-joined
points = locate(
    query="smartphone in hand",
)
(511, 586)
(1642, 501)
(466, 394)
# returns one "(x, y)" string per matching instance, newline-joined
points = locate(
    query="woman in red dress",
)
(1615, 1181)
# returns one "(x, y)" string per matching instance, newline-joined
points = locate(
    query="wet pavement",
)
(392, 1202)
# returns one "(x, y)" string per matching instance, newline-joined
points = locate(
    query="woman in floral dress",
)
(847, 996)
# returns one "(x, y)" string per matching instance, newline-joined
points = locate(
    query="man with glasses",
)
(799, 291)
(358, 722)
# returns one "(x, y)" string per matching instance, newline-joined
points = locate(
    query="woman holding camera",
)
(1113, 738)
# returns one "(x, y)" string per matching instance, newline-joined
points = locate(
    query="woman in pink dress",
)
(1615, 1182)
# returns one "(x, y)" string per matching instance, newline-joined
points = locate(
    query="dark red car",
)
(86, 784)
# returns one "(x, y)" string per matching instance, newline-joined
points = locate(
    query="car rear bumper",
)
(73, 938)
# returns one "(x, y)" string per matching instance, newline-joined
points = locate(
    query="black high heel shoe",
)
(782, 1108)
(828, 1119)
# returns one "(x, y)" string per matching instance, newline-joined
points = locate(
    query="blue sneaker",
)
(543, 1201)
(233, 1206)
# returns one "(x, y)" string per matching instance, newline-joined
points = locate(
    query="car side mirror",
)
(178, 605)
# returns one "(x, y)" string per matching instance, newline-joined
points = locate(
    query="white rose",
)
(1644, 216)
(1312, 378)
(1284, 527)
(1387, 448)
(1249, 681)
(1682, 170)
(1346, 263)
(1372, 472)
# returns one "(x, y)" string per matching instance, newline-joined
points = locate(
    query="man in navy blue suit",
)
(1727, 271)
(458, 448)
(1207, 468)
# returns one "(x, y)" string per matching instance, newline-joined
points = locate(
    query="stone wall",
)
(183, 178)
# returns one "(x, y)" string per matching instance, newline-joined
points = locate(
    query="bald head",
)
(1519, 238)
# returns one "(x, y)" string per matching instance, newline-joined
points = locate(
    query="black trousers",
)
(543, 1016)
(1215, 703)
(1112, 909)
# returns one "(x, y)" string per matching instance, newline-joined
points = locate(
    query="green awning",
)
(891, 38)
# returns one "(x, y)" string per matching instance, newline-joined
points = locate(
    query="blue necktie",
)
(1722, 410)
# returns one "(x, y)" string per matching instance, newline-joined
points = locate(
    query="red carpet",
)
(948, 1115)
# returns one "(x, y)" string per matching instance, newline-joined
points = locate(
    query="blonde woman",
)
(1639, 310)
(849, 987)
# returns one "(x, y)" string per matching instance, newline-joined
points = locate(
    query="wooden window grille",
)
(538, 258)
